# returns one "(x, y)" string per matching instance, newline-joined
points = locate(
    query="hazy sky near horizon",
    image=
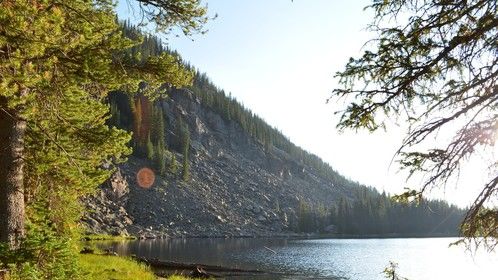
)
(278, 58)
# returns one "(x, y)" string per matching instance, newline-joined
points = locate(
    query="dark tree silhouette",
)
(435, 65)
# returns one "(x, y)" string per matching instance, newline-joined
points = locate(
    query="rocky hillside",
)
(245, 178)
(237, 187)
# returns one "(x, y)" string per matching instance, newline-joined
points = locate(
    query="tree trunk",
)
(12, 130)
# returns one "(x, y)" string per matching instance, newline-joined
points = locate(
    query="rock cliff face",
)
(237, 187)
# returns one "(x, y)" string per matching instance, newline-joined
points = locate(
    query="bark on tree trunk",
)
(12, 130)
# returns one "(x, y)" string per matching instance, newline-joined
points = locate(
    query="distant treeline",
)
(372, 213)
(365, 211)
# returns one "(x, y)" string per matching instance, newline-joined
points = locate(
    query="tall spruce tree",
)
(149, 148)
(161, 161)
(173, 167)
(137, 122)
(58, 60)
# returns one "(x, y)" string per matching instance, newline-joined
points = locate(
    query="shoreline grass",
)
(100, 267)
(97, 267)
(107, 237)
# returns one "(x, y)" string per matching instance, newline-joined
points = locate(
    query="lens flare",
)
(145, 177)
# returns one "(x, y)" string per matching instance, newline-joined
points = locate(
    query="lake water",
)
(355, 259)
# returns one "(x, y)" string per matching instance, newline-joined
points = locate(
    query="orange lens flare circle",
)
(145, 177)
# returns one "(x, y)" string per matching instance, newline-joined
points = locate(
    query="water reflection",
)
(361, 259)
(211, 251)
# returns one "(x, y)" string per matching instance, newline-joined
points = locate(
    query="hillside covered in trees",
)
(193, 137)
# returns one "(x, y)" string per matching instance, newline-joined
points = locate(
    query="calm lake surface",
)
(358, 259)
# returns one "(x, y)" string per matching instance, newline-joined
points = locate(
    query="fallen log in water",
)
(201, 270)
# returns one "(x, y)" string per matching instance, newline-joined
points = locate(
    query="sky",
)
(278, 58)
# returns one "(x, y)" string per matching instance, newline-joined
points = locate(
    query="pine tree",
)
(172, 165)
(158, 127)
(62, 60)
(149, 148)
(161, 161)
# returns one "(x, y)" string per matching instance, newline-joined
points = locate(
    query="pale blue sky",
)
(278, 57)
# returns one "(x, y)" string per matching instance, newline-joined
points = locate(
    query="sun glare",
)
(145, 177)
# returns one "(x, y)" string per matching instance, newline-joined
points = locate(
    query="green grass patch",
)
(100, 267)
(97, 267)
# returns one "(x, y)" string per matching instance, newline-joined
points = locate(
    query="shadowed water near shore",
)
(355, 259)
